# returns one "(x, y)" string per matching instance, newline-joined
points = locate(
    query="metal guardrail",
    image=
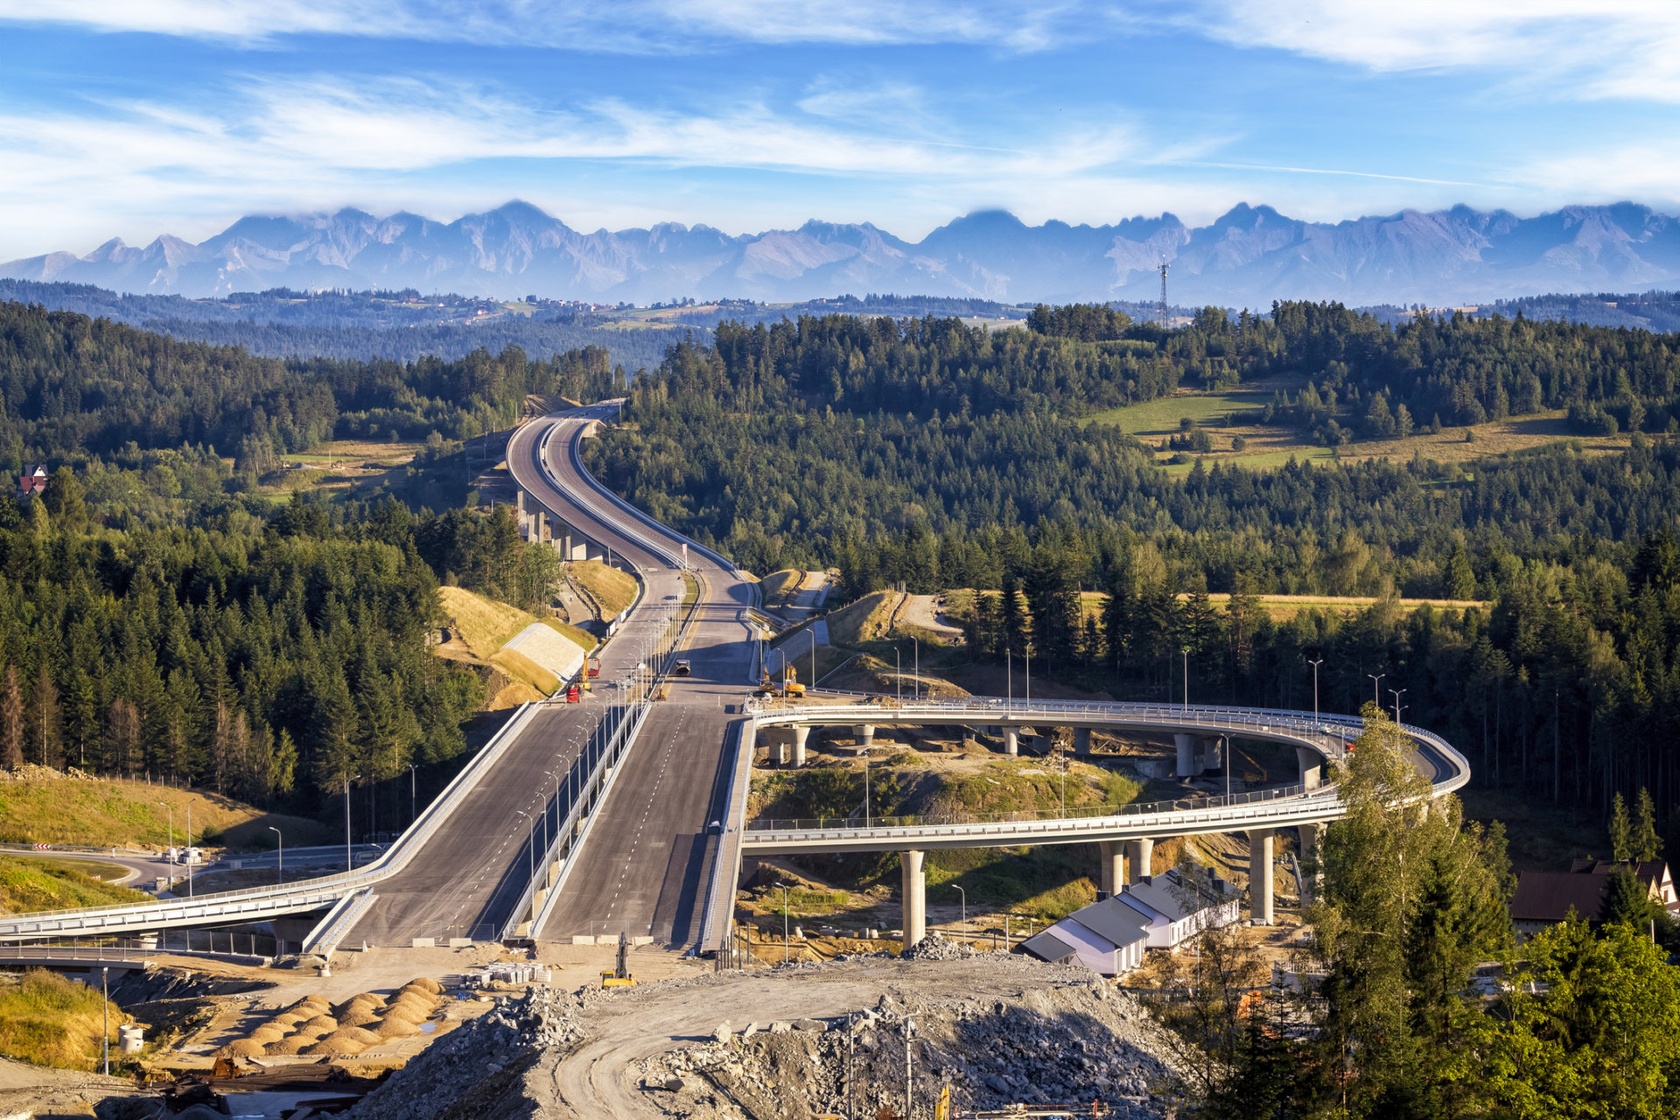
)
(1292, 804)
(1097, 812)
(252, 903)
(726, 866)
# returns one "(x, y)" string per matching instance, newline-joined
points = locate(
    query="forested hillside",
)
(940, 456)
(158, 616)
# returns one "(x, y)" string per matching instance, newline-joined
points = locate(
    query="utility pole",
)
(1315, 665)
(348, 863)
(909, 1036)
(105, 989)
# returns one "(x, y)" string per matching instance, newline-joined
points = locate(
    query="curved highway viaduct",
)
(648, 863)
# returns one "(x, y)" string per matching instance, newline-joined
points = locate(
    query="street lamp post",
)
(189, 851)
(787, 939)
(964, 894)
(1396, 693)
(865, 787)
(170, 809)
(1009, 673)
(105, 990)
(530, 846)
(1376, 682)
(279, 856)
(1026, 660)
(1315, 665)
(413, 794)
(811, 633)
(898, 673)
(916, 673)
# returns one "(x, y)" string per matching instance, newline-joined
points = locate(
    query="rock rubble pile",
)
(484, 1058)
(1073, 1042)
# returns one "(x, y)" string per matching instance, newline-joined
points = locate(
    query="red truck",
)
(573, 694)
(593, 667)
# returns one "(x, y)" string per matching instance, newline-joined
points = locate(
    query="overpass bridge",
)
(559, 828)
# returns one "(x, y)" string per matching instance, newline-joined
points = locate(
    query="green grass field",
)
(1160, 417)
(100, 814)
(48, 1020)
(30, 883)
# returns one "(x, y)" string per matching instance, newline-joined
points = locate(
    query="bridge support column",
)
(519, 514)
(864, 733)
(801, 735)
(1113, 872)
(1209, 758)
(1012, 741)
(1186, 744)
(915, 897)
(539, 524)
(1260, 876)
(1310, 835)
(1311, 765)
(1082, 740)
(1138, 854)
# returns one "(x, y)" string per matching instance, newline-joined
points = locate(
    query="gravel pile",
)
(485, 1057)
(1060, 1044)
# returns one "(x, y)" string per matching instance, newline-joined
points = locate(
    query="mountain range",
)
(1246, 258)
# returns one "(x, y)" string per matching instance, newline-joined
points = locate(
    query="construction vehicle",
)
(592, 667)
(574, 694)
(620, 976)
(790, 686)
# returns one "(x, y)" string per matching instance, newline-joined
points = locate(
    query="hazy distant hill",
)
(1246, 258)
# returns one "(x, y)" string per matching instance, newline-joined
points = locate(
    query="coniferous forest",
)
(933, 455)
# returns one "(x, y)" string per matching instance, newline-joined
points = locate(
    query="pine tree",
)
(1646, 844)
(11, 720)
(1621, 832)
(48, 720)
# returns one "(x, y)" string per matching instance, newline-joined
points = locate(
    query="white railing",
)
(1328, 734)
(258, 902)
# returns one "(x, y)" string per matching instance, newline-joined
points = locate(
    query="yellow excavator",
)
(790, 686)
(620, 976)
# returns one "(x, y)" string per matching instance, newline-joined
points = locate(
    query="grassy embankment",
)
(29, 883)
(51, 1021)
(1271, 446)
(481, 627)
(97, 813)
(612, 589)
(1045, 882)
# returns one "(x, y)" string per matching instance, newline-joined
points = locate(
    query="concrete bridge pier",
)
(1260, 876)
(1186, 744)
(519, 517)
(1211, 757)
(864, 734)
(1012, 741)
(1312, 767)
(801, 736)
(1139, 853)
(915, 896)
(1082, 740)
(1113, 873)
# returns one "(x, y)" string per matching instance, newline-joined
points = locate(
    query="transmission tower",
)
(1163, 309)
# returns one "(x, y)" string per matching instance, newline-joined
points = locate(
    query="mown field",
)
(1267, 447)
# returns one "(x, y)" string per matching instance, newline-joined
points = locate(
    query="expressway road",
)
(643, 867)
(468, 877)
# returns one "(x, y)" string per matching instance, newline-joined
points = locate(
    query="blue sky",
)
(133, 118)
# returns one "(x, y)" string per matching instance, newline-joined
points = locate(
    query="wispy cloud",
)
(621, 25)
(1556, 48)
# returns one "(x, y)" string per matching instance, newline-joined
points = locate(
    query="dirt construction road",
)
(599, 1079)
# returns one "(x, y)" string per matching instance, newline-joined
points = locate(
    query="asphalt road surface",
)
(646, 857)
